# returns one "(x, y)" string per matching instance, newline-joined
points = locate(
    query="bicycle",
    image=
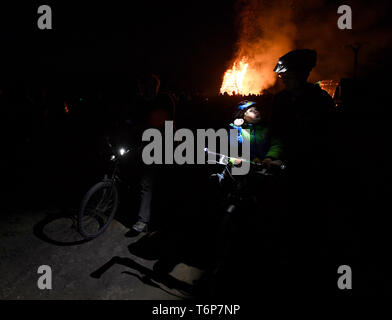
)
(100, 203)
(237, 193)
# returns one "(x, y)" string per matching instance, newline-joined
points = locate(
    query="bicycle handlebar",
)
(222, 157)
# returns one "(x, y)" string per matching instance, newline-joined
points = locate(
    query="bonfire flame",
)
(241, 79)
(233, 80)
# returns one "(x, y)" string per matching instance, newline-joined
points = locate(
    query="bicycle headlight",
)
(123, 151)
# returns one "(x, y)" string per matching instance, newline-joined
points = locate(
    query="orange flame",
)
(233, 80)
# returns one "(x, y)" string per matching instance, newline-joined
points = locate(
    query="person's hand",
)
(237, 161)
(268, 162)
(276, 163)
(238, 122)
(257, 160)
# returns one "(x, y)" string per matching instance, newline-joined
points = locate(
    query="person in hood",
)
(302, 116)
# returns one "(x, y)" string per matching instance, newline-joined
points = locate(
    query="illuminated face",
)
(252, 115)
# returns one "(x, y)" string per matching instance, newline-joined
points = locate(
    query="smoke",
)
(266, 33)
(317, 29)
(269, 29)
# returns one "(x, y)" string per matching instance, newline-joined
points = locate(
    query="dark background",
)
(187, 43)
(89, 63)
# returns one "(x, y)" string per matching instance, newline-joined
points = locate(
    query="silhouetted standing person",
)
(300, 121)
(152, 109)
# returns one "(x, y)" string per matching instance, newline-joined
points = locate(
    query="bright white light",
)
(112, 157)
(122, 151)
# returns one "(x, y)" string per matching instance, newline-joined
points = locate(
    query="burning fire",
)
(245, 78)
(233, 80)
(250, 74)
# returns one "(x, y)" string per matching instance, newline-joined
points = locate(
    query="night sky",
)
(187, 44)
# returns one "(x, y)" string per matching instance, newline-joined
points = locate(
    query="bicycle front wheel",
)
(97, 210)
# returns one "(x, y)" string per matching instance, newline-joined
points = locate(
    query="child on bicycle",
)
(262, 149)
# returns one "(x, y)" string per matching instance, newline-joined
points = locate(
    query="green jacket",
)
(261, 145)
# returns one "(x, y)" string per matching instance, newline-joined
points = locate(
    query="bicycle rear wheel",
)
(97, 209)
